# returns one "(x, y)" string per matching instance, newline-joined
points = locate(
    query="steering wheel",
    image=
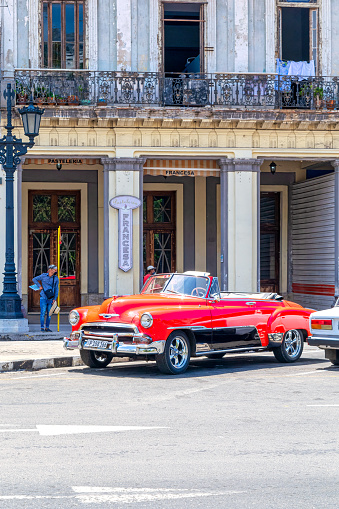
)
(198, 292)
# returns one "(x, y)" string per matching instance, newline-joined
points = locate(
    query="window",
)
(63, 34)
(298, 33)
(183, 27)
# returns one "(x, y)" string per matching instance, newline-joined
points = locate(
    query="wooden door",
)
(159, 231)
(269, 242)
(47, 211)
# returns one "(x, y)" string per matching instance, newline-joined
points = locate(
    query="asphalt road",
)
(241, 432)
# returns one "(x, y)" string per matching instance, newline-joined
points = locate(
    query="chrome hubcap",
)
(178, 352)
(292, 343)
(100, 357)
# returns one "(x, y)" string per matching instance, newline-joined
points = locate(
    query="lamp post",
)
(11, 149)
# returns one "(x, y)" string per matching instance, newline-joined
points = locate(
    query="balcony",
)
(248, 91)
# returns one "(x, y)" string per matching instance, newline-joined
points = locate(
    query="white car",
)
(324, 327)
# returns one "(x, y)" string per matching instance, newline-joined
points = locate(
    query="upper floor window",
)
(183, 37)
(298, 31)
(63, 34)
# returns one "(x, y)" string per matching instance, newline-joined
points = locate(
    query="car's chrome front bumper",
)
(142, 345)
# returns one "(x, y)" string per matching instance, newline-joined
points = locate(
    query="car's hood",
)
(128, 306)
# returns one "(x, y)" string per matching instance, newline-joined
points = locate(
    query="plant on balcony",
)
(85, 102)
(102, 101)
(318, 94)
(50, 98)
(73, 100)
(61, 101)
(21, 93)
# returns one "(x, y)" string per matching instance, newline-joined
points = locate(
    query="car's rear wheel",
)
(291, 347)
(176, 355)
(95, 359)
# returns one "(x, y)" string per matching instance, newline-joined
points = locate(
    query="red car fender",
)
(87, 314)
(284, 319)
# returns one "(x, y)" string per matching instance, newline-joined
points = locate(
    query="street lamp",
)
(11, 149)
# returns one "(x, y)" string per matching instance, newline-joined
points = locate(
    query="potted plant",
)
(61, 101)
(21, 94)
(318, 95)
(73, 100)
(102, 101)
(50, 98)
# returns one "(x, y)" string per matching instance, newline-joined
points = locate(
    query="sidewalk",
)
(35, 355)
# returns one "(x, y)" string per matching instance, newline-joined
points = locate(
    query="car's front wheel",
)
(176, 355)
(291, 347)
(95, 359)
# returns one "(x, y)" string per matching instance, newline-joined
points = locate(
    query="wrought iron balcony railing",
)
(231, 90)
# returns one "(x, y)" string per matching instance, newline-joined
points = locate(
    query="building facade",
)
(178, 104)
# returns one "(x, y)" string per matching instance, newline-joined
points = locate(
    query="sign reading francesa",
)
(125, 205)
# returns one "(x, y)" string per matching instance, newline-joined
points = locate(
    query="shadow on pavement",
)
(199, 367)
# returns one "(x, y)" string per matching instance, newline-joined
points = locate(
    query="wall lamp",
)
(58, 166)
(273, 167)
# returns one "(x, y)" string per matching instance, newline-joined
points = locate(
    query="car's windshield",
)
(155, 284)
(183, 284)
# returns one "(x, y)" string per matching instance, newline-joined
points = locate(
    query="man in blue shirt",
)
(49, 283)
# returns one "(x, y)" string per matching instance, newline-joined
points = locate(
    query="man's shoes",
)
(48, 330)
(42, 329)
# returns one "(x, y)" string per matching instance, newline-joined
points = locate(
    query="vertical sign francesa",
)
(125, 205)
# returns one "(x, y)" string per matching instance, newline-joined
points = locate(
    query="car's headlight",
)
(73, 317)
(146, 320)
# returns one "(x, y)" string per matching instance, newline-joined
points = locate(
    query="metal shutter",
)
(312, 242)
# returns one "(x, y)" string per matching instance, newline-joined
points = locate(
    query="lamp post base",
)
(14, 325)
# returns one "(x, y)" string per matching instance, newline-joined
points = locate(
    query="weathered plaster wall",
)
(23, 33)
(334, 36)
(256, 36)
(107, 35)
(225, 36)
(140, 35)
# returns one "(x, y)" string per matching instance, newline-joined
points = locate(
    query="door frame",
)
(51, 186)
(51, 227)
(149, 227)
(284, 232)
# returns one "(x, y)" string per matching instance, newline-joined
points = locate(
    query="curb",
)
(36, 364)
(33, 336)
(53, 362)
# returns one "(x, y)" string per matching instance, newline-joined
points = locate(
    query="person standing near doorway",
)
(150, 272)
(49, 286)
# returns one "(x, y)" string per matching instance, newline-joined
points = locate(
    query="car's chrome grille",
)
(106, 331)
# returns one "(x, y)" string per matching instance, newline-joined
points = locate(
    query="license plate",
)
(94, 343)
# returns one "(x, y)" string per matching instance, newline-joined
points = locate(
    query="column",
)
(240, 224)
(122, 176)
(223, 163)
(18, 222)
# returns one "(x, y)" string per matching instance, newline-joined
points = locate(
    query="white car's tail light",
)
(321, 324)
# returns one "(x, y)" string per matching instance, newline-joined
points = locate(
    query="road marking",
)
(35, 376)
(324, 405)
(304, 373)
(54, 430)
(88, 495)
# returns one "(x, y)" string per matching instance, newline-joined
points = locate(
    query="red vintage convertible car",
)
(179, 316)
